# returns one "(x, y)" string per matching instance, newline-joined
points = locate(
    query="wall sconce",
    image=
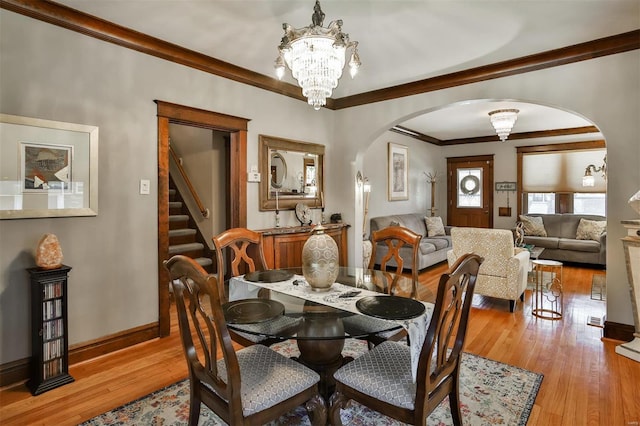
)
(588, 179)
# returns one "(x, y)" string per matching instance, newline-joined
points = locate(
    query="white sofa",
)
(503, 274)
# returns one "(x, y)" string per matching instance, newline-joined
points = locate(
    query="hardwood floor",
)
(585, 381)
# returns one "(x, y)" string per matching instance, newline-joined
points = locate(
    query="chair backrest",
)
(438, 366)
(494, 245)
(396, 237)
(246, 254)
(192, 289)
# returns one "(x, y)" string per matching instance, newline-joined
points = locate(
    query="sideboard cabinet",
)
(283, 246)
(49, 329)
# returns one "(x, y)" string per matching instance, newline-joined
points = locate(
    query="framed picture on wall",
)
(46, 167)
(398, 172)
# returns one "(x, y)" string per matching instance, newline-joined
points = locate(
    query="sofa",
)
(561, 243)
(432, 249)
(503, 273)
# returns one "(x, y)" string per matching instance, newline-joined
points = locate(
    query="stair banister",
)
(203, 210)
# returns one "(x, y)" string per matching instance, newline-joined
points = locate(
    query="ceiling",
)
(400, 41)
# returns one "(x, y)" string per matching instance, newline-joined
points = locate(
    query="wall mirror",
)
(47, 168)
(291, 173)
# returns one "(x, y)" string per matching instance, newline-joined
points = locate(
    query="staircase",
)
(184, 236)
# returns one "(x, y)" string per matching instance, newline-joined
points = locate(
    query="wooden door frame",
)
(236, 199)
(451, 181)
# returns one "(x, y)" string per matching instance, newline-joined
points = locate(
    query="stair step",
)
(182, 236)
(185, 248)
(204, 261)
(175, 204)
(181, 232)
(178, 217)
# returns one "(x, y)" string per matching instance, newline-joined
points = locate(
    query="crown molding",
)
(493, 138)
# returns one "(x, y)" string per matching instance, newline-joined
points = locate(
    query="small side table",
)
(547, 294)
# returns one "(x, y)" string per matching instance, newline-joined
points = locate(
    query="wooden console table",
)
(283, 246)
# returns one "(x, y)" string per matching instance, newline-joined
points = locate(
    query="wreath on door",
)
(470, 185)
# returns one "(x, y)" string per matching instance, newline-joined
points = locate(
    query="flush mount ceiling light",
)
(503, 121)
(316, 56)
(588, 179)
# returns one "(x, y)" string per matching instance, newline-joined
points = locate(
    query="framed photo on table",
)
(398, 172)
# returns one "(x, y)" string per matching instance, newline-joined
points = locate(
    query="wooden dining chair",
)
(398, 240)
(252, 386)
(245, 255)
(382, 378)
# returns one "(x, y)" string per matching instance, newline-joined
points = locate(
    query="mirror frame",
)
(45, 129)
(288, 202)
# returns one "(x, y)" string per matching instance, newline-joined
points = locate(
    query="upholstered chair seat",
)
(268, 378)
(371, 375)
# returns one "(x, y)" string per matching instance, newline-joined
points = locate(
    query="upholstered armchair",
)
(504, 271)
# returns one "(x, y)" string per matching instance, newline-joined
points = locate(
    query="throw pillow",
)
(435, 227)
(533, 226)
(590, 229)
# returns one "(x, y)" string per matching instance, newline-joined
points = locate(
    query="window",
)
(538, 202)
(587, 203)
(552, 179)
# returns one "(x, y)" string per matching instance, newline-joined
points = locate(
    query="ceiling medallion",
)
(316, 56)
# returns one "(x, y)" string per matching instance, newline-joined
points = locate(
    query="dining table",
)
(280, 304)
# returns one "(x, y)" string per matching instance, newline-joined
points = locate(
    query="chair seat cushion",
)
(383, 373)
(268, 378)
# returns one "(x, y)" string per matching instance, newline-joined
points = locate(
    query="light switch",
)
(145, 186)
(253, 177)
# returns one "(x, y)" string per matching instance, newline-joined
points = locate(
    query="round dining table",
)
(318, 329)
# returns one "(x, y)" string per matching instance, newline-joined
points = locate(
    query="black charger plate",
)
(251, 311)
(270, 276)
(390, 307)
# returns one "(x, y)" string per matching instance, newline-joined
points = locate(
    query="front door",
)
(469, 191)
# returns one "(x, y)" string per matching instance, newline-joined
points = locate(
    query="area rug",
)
(599, 287)
(491, 393)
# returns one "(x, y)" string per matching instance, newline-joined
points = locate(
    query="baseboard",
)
(17, 371)
(617, 331)
(14, 372)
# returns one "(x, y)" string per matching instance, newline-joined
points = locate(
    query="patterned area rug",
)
(491, 393)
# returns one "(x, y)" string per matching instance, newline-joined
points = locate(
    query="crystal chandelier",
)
(316, 56)
(503, 121)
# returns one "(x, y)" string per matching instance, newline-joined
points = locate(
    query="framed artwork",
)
(398, 172)
(45, 167)
(48, 168)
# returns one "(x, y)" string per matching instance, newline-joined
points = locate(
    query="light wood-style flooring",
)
(585, 381)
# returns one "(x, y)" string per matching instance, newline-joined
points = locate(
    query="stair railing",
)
(203, 210)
